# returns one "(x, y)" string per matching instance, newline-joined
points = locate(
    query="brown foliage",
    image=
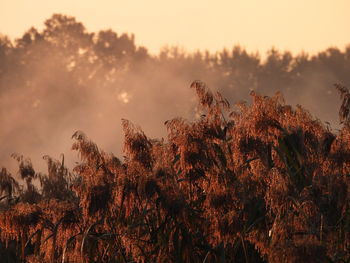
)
(264, 183)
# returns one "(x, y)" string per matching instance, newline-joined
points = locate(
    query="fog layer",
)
(64, 79)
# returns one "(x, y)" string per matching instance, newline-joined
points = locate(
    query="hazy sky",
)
(296, 25)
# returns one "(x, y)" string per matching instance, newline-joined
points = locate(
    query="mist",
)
(64, 79)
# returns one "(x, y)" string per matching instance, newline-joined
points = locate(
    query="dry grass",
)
(259, 183)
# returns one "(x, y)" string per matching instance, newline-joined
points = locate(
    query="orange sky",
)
(296, 25)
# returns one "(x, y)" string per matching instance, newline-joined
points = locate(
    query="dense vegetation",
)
(259, 183)
(264, 182)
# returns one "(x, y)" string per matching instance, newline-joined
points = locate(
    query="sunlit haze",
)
(57, 79)
(174, 131)
(297, 25)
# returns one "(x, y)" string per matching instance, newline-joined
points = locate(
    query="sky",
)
(257, 25)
